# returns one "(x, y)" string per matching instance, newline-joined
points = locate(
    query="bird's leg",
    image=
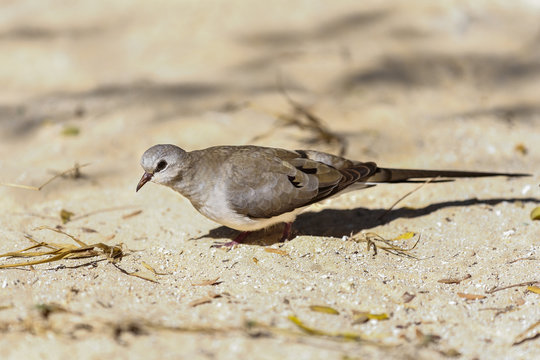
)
(286, 232)
(237, 240)
(241, 237)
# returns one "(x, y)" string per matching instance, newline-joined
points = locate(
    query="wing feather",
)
(288, 180)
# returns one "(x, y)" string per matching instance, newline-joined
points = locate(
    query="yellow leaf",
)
(522, 149)
(405, 236)
(148, 267)
(305, 328)
(382, 316)
(324, 309)
(311, 331)
(535, 213)
(363, 316)
(534, 289)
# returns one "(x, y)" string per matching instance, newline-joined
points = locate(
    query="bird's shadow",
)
(339, 223)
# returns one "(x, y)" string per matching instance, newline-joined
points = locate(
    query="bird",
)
(250, 187)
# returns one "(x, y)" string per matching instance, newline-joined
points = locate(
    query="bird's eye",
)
(161, 165)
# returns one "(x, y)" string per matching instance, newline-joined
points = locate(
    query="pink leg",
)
(237, 240)
(286, 232)
(241, 237)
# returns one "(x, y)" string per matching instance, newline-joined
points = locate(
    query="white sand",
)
(410, 84)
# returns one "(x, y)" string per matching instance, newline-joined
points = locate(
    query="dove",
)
(249, 188)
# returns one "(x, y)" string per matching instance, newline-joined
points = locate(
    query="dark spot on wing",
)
(292, 179)
(307, 171)
(302, 153)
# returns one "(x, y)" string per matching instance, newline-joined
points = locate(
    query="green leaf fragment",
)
(65, 215)
(70, 130)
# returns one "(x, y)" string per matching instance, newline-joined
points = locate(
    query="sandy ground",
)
(407, 83)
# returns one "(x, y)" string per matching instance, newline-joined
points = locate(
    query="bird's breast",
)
(214, 205)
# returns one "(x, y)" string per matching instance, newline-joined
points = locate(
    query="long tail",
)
(401, 175)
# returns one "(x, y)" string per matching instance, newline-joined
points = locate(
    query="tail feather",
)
(401, 175)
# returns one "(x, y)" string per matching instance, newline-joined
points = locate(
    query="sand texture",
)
(416, 84)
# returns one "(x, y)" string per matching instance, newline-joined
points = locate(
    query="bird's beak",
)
(145, 178)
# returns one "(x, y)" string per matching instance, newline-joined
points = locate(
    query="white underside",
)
(221, 213)
(217, 208)
(244, 223)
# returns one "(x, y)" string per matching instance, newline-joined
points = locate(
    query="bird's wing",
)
(266, 182)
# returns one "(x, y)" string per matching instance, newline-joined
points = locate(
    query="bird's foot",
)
(237, 240)
(286, 232)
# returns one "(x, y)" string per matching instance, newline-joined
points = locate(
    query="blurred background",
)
(88, 76)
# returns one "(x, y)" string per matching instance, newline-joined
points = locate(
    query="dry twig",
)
(74, 172)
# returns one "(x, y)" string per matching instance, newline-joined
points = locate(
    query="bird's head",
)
(162, 164)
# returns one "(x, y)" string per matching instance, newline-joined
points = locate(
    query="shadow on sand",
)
(339, 223)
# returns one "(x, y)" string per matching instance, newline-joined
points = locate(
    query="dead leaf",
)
(360, 318)
(324, 309)
(500, 311)
(207, 282)
(151, 269)
(375, 241)
(453, 353)
(499, 288)
(407, 298)
(58, 252)
(132, 214)
(471, 296)
(66, 216)
(145, 276)
(305, 328)
(204, 300)
(521, 259)
(532, 332)
(426, 339)
(277, 251)
(311, 331)
(522, 149)
(454, 280)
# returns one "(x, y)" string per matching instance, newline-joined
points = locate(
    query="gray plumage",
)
(251, 187)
